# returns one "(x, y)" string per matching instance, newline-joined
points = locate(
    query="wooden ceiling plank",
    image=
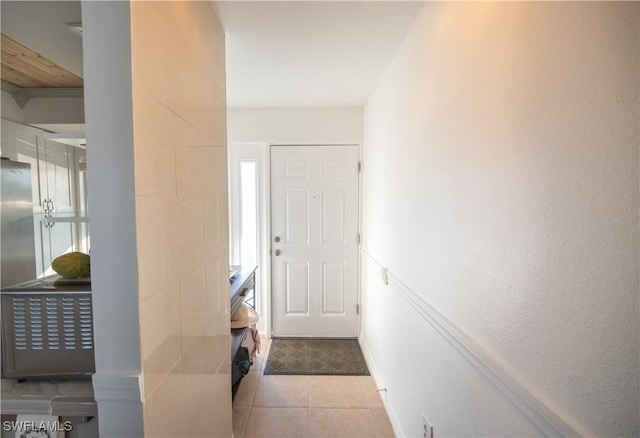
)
(15, 54)
(41, 68)
(22, 66)
(47, 76)
(20, 79)
(37, 79)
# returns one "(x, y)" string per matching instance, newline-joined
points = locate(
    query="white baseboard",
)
(117, 387)
(373, 370)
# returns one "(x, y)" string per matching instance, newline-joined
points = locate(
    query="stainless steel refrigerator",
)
(16, 210)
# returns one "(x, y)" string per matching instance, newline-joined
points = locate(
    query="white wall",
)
(291, 125)
(10, 109)
(501, 186)
(39, 111)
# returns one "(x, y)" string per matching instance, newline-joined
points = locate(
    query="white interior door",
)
(314, 232)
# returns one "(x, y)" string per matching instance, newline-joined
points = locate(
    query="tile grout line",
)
(361, 387)
(309, 407)
(372, 425)
(246, 423)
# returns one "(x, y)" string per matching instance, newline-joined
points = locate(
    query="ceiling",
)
(41, 57)
(25, 68)
(310, 53)
(279, 53)
(40, 26)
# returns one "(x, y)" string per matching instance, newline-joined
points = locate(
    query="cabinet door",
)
(54, 237)
(8, 142)
(58, 162)
(60, 237)
(52, 165)
(28, 140)
(43, 249)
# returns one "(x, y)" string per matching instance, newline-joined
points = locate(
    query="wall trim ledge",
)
(538, 413)
(117, 387)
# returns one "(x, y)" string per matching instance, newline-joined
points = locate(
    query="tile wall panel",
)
(182, 219)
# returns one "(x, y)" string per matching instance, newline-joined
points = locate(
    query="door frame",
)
(262, 154)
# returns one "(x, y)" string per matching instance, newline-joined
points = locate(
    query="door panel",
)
(297, 288)
(334, 221)
(333, 288)
(314, 207)
(297, 216)
(297, 168)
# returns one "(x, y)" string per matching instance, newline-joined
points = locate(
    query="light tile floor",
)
(307, 406)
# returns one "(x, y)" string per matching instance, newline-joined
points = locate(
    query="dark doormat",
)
(314, 356)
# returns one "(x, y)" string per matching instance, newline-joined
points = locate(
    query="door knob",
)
(277, 252)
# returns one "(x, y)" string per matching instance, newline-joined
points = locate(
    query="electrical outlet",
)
(427, 430)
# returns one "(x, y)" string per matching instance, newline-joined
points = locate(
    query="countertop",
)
(52, 283)
(73, 398)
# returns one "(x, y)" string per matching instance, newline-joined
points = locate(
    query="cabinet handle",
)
(48, 221)
(51, 205)
(45, 205)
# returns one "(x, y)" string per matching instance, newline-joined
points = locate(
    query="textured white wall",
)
(501, 184)
(291, 125)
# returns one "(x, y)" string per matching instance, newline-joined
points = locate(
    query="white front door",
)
(314, 240)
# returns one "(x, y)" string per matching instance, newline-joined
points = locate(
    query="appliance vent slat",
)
(34, 326)
(53, 333)
(53, 323)
(44, 324)
(20, 324)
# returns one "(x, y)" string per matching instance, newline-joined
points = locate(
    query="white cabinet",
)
(54, 236)
(20, 143)
(52, 166)
(55, 163)
(58, 187)
(7, 144)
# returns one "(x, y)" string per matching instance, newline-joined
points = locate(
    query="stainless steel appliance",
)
(16, 212)
(47, 329)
